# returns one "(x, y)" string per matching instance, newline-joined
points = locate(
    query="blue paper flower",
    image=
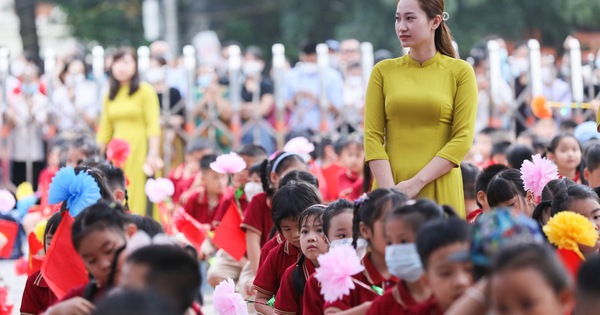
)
(78, 190)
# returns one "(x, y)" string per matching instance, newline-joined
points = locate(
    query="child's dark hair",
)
(517, 154)
(100, 179)
(51, 226)
(206, 161)
(484, 178)
(281, 162)
(469, 175)
(171, 271)
(135, 302)
(552, 189)
(562, 200)
(348, 141)
(416, 213)
(290, 200)
(299, 176)
(536, 256)
(592, 157)
(252, 150)
(86, 145)
(298, 278)
(554, 145)
(333, 209)
(199, 144)
(500, 147)
(254, 169)
(504, 186)
(439, 233)
(588, 285)
(370, 210)
(98, 217)
(115, 178)
(146, 224)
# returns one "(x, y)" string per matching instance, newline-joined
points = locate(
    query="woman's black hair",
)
(416, 213)
(370, 210)
(298, 278)
(367, 179)
(517, 154)
(536, 256)
(278, 164)
(505, 186)
(562, 200)
(146, 224)
(299, 176)
(115, 85)
(334, 209)
(290, 200)
(51, 226)
(100, 179)
(100, 216)
(554, 145)
(552, 189)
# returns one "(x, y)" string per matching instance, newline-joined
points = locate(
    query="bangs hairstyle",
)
(51, 226)
(439, 233)
(277, 165)
(206, 161)
(315, 211)
(554, 188)
(535, 256)
(505, 186)
(298, 278)
(562, 200)
(484, 178)
(98, 217)
(115, 85)
(372, 209)
(291, 200)
(592, 157)
(416, 213)
(334, 209)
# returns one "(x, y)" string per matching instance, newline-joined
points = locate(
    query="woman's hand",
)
(152, 165)
(410, 187)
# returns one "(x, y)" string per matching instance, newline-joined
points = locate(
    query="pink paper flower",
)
(226, 301)
(537, 174)
(7, 201)
(336, 270)
(117, 151)
(159, 189)
(228, 164)
(299, 145)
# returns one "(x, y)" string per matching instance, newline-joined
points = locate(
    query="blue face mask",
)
(403, 261)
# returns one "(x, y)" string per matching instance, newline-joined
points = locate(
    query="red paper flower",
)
(117, 151)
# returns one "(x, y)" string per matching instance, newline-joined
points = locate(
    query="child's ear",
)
(530, 198)
(130, 229)
(586, 173)
(273, 177)
(119, 196)
(567, 300)
(481, 198)
(365, 231)
(551, 156)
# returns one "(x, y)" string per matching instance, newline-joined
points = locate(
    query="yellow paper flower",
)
(24, 190)
(39, 230)
(567, 230)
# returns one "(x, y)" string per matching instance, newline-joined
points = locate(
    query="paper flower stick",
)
(228, 164)
(226, 301)
(567, 230)
(336, 270)
(537, 173)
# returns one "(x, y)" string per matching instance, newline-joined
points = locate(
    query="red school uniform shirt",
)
(37, 296)
(270, 273)
(312, 299)
(472, 217)
(395, 301)
(347, 179)
(429, 307)
(331, 174)
(181, 183)
(257, 218)
(265, 250)
(197, 206)
(97, 293)
(44, 181)
(370, 276)
(228, 199)
(288, 301)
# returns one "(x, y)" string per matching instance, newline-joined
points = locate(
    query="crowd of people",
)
(450, 196)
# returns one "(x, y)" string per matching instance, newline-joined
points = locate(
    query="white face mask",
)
(310, 67)
(547, 75)
(252, 189)
(403, 261)
(74, 79)
(361, 245)
(252, 68)
(155, 75)
(17, 68)
(519, 66)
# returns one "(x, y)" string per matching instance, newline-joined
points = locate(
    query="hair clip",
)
(364, 197)
(445, 16)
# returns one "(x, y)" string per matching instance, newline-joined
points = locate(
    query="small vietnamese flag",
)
(35, 262)
(229, 236)
(193, 230)
(63, 269)
(10, 230)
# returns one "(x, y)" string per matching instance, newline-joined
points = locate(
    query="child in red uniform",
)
(183, 176)
(352, 157)
(401, 256)
(203, 204)
(289, 202)
(443, 246)
(481, 183)
(368, 223)
(37, 296)
(565, 151)
(328, 160)
(47, 174)
(312, 243)
(337, 226)
(257, 222)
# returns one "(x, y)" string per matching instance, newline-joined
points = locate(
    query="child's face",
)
(340, 226)
(483, 143)
(74, 157)
(375, 237)
(567, 155)
(54, 157)
(98, 252)
(291, 231)
(448, 278)
(593, 177)
(397, 231)
(525, 292)
(590, 209)
(312, 241)
(353, 158)
(214, 182)
(519, 204)
(254, 178)
(296, 166)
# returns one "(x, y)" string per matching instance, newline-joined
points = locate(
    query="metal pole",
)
(278, 51)
(494, 75)
(323, 64)
(171, 28)
(576, 74)
(235, 65)
(143, 53)
(535, 68)
(4, 66)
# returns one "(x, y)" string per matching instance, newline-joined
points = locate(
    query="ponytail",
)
(264, 178)
(443, 41)
(298, 279)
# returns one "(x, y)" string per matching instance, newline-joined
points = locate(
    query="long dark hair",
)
(134, 85)
(278, 164)
(298, 279)
(443, 38)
